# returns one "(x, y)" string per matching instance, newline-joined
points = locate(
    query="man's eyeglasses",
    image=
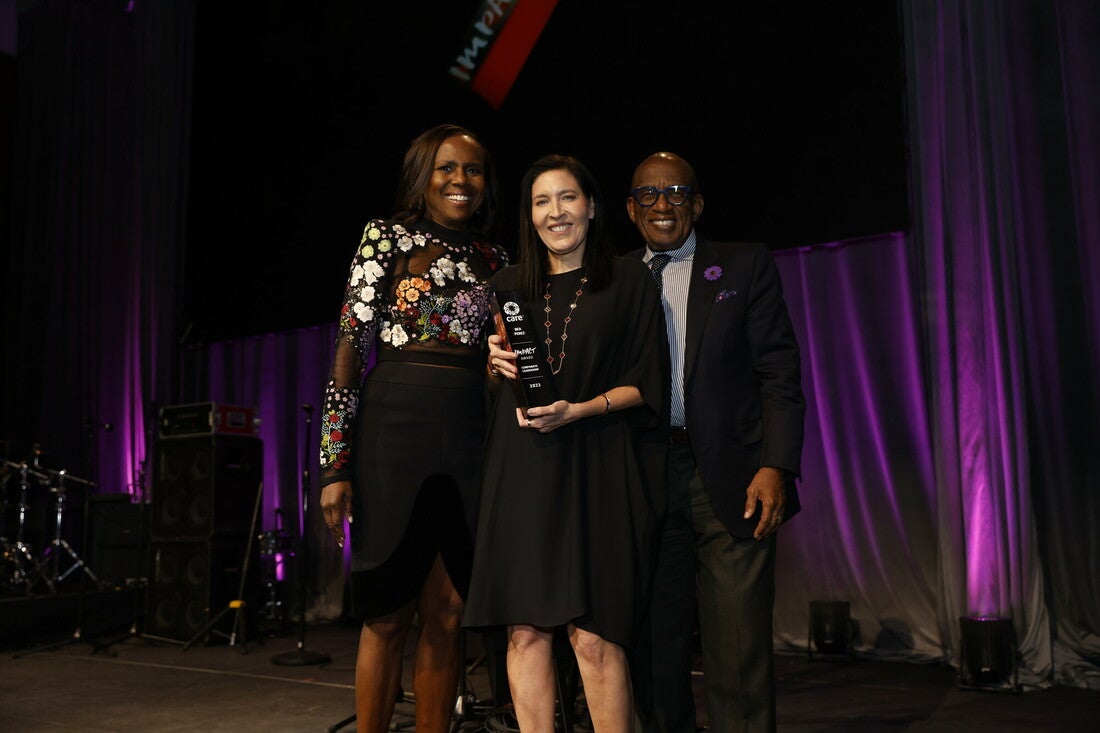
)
(648, 195)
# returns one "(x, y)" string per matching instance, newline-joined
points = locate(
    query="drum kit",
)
(276, 547)
(38, 560)
(25, 568)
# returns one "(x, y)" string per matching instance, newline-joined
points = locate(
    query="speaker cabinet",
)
(192, 582)
(989, 653)
(831, 627)
(118, 538)
(204, 486)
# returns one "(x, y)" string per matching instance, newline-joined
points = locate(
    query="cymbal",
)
(30, 471)
(66, 476)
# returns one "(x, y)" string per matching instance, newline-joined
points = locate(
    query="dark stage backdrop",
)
(952, 419)
(792, 116)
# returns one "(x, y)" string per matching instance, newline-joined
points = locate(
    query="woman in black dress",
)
(404, 422)
(568, 505)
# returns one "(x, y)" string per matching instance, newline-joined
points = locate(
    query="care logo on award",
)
(536, 382)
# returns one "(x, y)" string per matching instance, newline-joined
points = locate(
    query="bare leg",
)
(531, 677)
(378, 669)
(606, 679)
(438, 651)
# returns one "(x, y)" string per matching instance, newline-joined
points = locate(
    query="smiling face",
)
(664, 226)
(560, 213)
(457, 187)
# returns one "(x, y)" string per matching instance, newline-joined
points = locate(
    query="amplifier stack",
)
(207, 470)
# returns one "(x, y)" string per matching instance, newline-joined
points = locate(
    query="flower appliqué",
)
(445, 299)
(448, 301)
(341, 404)
(712, 273)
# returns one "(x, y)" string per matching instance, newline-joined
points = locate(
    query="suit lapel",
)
(701, 295)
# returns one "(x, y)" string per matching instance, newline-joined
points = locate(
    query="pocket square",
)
(723, 294)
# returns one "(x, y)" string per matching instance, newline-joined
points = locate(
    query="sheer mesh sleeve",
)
(359, 317)
(340, 409)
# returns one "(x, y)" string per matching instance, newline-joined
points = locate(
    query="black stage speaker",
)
(831, 627)
(989, 653)
(192, 581)
(204, 486)
(204, 494)
(118, 538)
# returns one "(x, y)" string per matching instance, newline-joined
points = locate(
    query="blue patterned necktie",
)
(656, 265)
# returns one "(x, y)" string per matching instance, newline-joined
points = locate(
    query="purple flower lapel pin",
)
(712, 273)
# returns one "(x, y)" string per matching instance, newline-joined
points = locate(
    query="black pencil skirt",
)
(416, 481)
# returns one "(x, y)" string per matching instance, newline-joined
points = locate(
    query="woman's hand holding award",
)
(535, 385)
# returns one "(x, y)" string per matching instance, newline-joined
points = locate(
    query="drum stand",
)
(52, 551)
(274, 549)
(78, 564)
(24, 571)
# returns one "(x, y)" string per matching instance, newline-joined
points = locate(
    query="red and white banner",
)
(497, 44)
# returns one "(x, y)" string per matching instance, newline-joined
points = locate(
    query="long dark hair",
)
(534, 263)
(416, 175)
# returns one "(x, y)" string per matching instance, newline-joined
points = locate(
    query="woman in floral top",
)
(404, 421)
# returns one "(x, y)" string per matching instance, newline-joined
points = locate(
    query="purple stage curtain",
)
(1004, 235)
(951, 464)
(868, 530)
(282, 376)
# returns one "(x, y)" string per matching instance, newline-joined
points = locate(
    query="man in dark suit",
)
(736, 443)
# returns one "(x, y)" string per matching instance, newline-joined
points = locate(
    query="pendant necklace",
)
(564, 325)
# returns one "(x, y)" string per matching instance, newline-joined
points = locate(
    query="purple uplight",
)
(280, 567)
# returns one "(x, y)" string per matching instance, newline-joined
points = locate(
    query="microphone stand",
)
(301, 656)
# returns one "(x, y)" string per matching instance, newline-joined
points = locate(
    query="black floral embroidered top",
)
(416, 288)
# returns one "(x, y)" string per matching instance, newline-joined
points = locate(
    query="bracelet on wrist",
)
(607, 407)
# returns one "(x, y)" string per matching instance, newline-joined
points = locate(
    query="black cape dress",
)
(567, 522)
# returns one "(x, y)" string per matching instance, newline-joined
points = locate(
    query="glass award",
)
(535, 386)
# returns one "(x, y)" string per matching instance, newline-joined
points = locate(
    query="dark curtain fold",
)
(100, 167)
(1065, 352)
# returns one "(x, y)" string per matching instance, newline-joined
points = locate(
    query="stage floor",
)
(122, 681)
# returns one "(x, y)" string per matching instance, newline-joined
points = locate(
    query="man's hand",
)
(767, 488)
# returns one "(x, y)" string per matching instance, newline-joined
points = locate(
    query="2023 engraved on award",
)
(514, 325)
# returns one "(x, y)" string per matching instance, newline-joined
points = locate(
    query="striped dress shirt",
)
(676, 279)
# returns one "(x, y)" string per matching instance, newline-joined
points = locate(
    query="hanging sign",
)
(497, 44)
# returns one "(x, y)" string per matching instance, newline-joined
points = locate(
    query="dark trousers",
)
(730, 584)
